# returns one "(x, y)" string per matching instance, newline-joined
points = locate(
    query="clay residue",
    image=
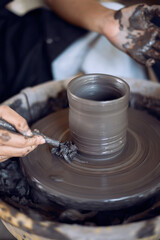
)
(118, 16)
(66, 150)
(5, 137)
(140, 33)
(140, 19)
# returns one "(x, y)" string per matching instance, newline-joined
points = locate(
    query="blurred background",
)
(129, 2)
(22, 6)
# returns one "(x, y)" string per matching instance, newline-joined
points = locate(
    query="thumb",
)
(15, 119)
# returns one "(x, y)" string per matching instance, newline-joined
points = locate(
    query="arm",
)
(15, 145)
(88, 14)
(129, 29)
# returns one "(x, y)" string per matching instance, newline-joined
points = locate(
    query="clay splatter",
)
(66, 150)
(140, 35)
(5, 137)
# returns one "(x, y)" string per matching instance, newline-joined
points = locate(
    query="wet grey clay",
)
(98, 114)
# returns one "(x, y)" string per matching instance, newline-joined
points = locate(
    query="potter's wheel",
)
(122, 181)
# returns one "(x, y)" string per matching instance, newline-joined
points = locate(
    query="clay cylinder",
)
(98, 114)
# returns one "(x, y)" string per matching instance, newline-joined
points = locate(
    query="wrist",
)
(97, 17)
(109, 26)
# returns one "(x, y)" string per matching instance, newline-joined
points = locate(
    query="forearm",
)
(89, 14)
(131, 29)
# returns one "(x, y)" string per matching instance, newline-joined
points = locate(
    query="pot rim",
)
(100, 103)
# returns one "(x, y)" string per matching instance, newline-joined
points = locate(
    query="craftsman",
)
(26, 55)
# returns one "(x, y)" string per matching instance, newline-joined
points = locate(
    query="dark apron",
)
(28, 45)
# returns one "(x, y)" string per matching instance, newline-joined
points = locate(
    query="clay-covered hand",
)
(16, 145)
(133, 31)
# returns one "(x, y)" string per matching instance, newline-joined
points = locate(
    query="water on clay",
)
(16, 190)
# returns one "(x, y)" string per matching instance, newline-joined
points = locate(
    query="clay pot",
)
(98, 106)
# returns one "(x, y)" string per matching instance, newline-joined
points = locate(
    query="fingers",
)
(156, 45)
(19, 141)
(150, 62)
(154, 54)
(7, 151)
(151, 49)
(15, 119)
(154, 10)
(154, 51)
(3, 158)
(16, 145)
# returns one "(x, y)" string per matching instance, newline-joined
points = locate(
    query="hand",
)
(132, 31)
(16, 145)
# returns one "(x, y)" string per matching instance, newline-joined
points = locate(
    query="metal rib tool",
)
(5, 125)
